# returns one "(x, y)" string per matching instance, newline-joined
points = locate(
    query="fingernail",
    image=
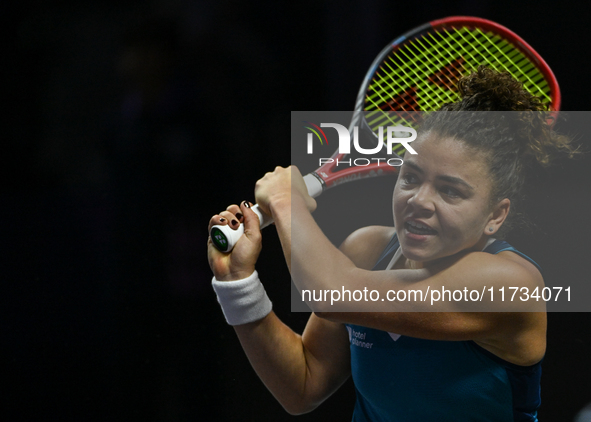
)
(239, 216)
(222, 220)
(246, 204)
(235, 222)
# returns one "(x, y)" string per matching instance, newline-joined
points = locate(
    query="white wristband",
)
(242, 301)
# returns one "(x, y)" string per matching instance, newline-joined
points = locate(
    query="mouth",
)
(419, 229)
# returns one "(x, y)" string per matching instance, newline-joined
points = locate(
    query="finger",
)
(231, 218)
(235, 209)
(252, 225)
(217, 220)
(214, 256)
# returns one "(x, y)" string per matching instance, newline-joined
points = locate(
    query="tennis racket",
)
(418, 72)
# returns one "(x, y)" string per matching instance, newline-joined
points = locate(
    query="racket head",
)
(418, 72)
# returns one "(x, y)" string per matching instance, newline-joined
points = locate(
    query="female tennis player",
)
(450, 202)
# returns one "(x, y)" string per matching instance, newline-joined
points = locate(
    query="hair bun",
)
(489, 90)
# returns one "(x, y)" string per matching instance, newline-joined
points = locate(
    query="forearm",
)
(281, 211)
(310, 255)
(274, 350)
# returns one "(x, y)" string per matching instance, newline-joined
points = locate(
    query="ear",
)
(497, 217)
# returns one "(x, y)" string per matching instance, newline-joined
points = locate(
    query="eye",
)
(409, 179)
(451, 192)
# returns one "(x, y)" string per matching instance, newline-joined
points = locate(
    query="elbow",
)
(329, 316)
(296, 411)
(300, 407)
(301, 402)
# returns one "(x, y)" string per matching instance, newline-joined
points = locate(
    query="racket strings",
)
(417, 63)
(421, 75)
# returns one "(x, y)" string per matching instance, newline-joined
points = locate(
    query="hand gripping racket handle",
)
(224, 237)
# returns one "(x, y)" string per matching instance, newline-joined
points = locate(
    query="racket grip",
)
(224, 237)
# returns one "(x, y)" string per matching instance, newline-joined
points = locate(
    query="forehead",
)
(448, 156)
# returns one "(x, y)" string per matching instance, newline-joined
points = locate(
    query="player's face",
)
(441, 200)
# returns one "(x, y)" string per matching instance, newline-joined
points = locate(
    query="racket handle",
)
(314, 185)
(224, 237)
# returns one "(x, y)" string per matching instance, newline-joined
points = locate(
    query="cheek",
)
(399, 199)
(463, 223)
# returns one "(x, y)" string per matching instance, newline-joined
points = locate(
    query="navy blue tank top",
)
(406, 379)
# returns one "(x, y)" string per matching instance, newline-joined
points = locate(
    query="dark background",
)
(128, 124)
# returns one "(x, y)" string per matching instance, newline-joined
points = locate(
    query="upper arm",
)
(326, 343)
(326, 347)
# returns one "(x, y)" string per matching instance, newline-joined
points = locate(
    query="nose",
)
(423, 198)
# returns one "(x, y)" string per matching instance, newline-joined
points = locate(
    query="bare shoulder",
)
(365, 245)
(526, 266)
(503, 269)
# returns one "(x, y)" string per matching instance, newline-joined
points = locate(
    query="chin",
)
(416, 254)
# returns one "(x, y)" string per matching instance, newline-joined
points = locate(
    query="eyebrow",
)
(445, 178)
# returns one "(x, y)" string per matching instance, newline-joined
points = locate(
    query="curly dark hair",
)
(510, 142)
